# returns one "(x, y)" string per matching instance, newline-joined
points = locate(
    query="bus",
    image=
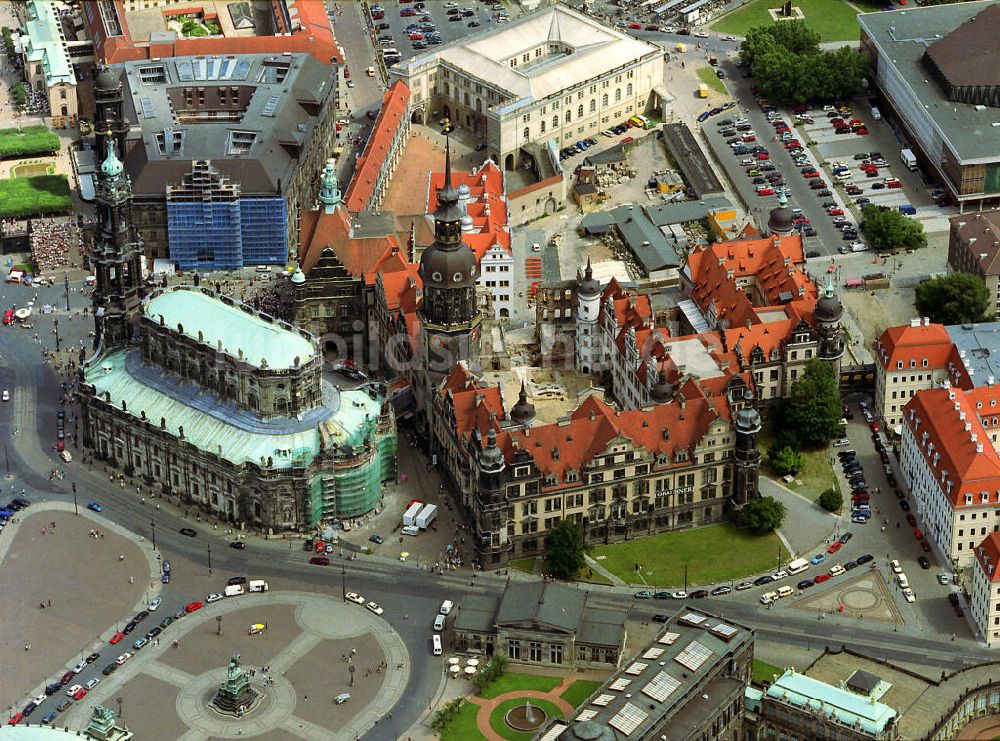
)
(798, 566)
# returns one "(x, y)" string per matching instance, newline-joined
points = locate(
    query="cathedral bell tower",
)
(450, 322)
(109, 118)
(116, 256)
(747, 454)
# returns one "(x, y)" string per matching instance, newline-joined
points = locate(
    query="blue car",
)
(818, 558)
(95, 506)
(702, 117)
(166, 577)
(49, 717)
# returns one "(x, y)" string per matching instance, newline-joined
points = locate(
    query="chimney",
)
(979, 447)
(927, 321)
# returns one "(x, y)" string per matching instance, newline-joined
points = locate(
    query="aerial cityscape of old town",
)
(539, 370)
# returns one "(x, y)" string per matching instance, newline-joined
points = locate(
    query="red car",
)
(319, 561)
(749, 138)
(835, 212)
(8, 317)
(834, 547)
(918, 533)
(636, 26)
(80, 694)
(117, 637)
(874, 426)
(15, 719)
(810, 174)
(893, 184)
(416, 36)
(926, 546)
(911, 519)
(765, 191)
(64, 680)
(820, 578)
(763, 156)
(862, 131)
(793, 144)
(192, 606)
(320, 546)
(628, 140)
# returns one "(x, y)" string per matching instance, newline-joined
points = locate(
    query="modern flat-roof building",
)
(223, 151)
(540, 82)
(937, 73)
(686, 684)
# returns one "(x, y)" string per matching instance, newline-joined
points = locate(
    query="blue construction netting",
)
(265, 234)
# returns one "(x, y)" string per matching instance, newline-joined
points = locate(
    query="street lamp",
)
(343, 582)
(76, 508)
(152, 526)
(218, 623)
(56, 331)
(209, 559)
(119, 707)
(350, 669)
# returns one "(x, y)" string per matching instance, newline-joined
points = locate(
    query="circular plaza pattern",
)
(309, 644)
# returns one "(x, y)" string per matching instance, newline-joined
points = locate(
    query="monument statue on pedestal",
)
(102, 727)
(235, 695)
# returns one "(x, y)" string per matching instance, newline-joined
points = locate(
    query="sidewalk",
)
(806, 524)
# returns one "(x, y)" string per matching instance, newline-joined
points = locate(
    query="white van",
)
(446, 607)
(785, 591)
(436, 644)
(234, 590)
(798, 566)
(410, 530)
(439, 622)
(258, 586)
(903, 581)
(768, 597)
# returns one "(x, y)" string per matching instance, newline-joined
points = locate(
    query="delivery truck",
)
(703, 90)
(234, 590)
(426, 516)
(258, 586)
(909, 159)
(410, 516)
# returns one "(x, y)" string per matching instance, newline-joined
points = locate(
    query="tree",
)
(959, 298)
(830, 500)
(791, 68)
(889, 229)
(785, 461)
(566, 549)
(813, 409)
(763, 515)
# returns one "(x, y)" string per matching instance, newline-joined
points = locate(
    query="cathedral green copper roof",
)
(260, 341)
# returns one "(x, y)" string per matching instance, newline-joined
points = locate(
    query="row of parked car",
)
(10, 509)
(835, 571)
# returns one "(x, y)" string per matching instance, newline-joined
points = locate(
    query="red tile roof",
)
(666, 428)
(361, 257)
(950, 418)
(487, 205)
(908, 342)
(393, 113)
(477, 406)
(313, 36)
(716, 273)
(988, 556)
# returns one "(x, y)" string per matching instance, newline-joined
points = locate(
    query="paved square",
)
(865, 596)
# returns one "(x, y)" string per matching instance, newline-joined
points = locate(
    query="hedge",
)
(41, 195)
(28, 142)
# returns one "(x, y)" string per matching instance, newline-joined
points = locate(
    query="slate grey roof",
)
(477, 614)
(601, 627)
(862, 681)
(691, 160)
(546, 604)
(281, 116)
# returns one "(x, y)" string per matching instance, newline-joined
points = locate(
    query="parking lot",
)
(390, 29)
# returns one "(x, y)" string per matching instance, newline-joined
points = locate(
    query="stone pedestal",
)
(235, 696)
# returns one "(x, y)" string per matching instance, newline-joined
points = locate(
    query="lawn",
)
(764, 672)
(27, 141)
(463, 726)
(833, 20)
(816, 476)
(36, 196)
(713, 554)
(513, 682)
(527, 565)
(707, 75)
(498, 724)
(579, 691)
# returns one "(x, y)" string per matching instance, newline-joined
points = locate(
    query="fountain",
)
(525, 717)
(235, 696)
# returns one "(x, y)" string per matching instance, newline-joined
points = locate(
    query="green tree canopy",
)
(889, 229)
(763, 515)
(959, 298)
(565, 549)
(790, 68)
(830, 500)
(813, 409)
(785, 461)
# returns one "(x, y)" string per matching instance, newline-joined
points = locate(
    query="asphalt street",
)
(402, 588)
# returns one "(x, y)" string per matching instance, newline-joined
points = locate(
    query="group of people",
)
(51, 242)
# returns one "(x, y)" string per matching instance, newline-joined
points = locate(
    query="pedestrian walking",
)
(50, 603)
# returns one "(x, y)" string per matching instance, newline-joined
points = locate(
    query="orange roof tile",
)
(666, 428)
(320, 230)
(393, 113)
(988, 556)
(476, 405)
(950, 418)
(907, 342)
(486, 204)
